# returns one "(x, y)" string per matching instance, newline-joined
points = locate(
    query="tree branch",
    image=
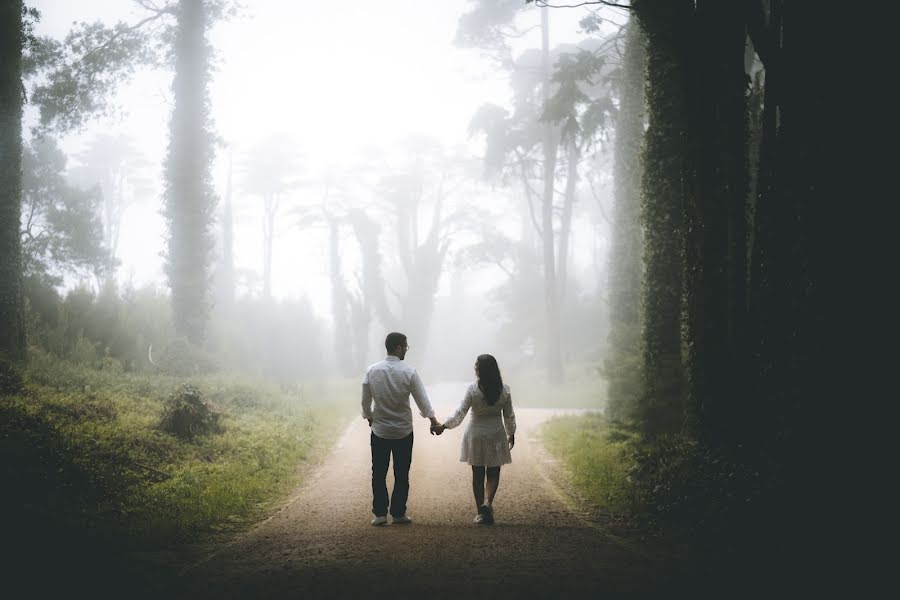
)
(158, 13)
(543, 3)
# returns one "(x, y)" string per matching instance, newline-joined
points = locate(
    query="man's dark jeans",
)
(381, 456)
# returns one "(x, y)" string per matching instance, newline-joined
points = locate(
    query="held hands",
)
(437, 428)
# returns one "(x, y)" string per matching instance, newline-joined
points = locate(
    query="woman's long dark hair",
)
(489, 380)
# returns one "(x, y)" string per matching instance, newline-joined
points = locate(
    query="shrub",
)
(690, 488)
(181, 358)
(186, 415)
(10, 377)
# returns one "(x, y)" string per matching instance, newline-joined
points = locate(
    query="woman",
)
(490, 434)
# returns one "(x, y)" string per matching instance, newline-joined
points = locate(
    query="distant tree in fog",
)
(114, 164)
(270, 173)
(422, 220)
(561, 101)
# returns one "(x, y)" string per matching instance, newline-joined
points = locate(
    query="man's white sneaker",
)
(404, 520)
(379, 521)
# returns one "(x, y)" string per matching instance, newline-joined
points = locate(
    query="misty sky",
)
(338, 77)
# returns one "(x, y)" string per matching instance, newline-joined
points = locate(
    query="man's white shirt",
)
(388, 385)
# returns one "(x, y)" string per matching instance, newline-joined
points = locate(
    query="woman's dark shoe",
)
(488, 513)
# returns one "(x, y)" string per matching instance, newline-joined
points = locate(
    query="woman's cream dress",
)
(484, 442)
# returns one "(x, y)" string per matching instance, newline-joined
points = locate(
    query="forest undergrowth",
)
(90, 459)
(707, 512)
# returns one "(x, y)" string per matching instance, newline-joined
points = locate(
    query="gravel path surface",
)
(321, 545)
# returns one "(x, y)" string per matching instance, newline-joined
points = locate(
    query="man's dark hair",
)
(393, 340)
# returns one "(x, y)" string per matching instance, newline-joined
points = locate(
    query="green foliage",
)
(84, 448)
(12, 324)
(623, 364)
(61, 228)
(83, 72)
(10, 377)
(189, 197)
(599, 459)
(665, 167)
(622, 369)
(690, 489)
(580, 104)
(186, 415)
(100, 329)
(672, 484)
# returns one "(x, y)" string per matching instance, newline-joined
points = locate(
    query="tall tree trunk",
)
(189, 196)
(551, 296)
(12, 322)
(227, 277)
(343, 340)
(621, 366)
(665, 24)
(373, 281)
(565, 226)
(423, 265)
(715, 226)
(270, 202)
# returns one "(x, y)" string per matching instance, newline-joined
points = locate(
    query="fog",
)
(357, 188)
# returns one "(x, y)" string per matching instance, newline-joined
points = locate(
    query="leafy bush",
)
(87, 454)
(672, 485)
(186, 415)
(10, 377)
(181, 358)
(689, 489)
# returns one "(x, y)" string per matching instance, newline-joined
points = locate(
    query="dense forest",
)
(721, 334)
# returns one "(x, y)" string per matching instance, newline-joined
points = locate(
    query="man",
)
(388, 384)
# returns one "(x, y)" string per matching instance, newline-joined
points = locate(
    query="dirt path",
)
(321, 544)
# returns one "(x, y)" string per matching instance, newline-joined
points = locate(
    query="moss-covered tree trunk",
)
(715, 223)
(12, 322)
(667, 26)
(622, 367)
(189, 196)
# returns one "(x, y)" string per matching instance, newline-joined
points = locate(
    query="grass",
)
(600, 463)
(672, 486)
(84, 452)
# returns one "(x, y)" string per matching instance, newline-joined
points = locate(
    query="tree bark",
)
(565, 226)
(12, 322)
(666, 24)
(551, 296)
(624, 284)
(189, 197)
(715, 226)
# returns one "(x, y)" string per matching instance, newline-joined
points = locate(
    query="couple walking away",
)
(486, 443)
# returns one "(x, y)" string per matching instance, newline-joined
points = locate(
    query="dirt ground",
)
(320, 543)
